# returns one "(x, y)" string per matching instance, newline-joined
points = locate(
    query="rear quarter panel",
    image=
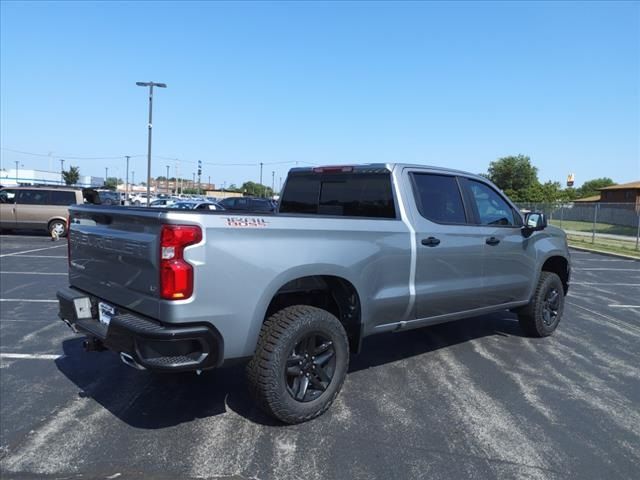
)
(244, 260)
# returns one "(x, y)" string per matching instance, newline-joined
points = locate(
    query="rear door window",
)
(438, 198)
(63, 198)
(33, 197)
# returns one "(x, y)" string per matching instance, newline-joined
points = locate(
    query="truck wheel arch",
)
(559, 265)
(335, 294)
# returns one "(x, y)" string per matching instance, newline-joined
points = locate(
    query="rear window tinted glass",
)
(438, 198)
(301, 194)
(33, 197)
(346, 195)
(63, 198)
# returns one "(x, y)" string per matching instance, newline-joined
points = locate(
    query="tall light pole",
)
(61, 171)
(126, 182)
(133, 178)
(167, 179)
(150, 85)
(106, 175)
(273, 182)
(16, 172)
(261, 187)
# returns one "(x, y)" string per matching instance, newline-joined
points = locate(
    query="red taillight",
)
(176, 275)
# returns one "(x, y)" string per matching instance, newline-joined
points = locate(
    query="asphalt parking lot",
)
(471, 399)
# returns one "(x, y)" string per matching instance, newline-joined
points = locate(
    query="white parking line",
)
(608, 284)
(26, 300)
(30, 251)
(33, 273)
(624, 306)
(611, 269)
(615, 321)
(30, 356)
(41, 256)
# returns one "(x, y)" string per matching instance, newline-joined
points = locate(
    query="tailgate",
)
(114, 255)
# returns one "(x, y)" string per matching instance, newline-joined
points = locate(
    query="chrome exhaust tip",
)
(130, 361)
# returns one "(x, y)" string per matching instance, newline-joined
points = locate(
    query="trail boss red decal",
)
(247, 222)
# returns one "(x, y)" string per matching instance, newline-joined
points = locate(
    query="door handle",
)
(430, 242)
(492, 241)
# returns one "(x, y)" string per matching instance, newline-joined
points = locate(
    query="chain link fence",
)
(614, 224)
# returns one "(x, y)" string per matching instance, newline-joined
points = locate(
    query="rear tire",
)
(300, 363)
(59, 227)
(542, 315)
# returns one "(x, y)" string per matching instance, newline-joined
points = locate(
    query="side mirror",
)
(533, 222)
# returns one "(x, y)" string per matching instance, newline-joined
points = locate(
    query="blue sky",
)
(449, 84)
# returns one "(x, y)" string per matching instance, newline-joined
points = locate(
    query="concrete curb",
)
(602, 252)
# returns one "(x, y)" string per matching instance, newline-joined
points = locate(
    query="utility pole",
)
(133, 178)
(273, 182)
(150, 85)
(199, 175)
(193, 181)
(61, 171)
(126, 182)
(261, 187)
(167, 179)
(280, 186)
(209, 184)
(106, 175)
(16, 172)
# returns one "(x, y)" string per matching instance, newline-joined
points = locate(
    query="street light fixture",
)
(150, 85)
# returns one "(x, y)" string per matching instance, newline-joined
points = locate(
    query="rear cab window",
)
(367, 194)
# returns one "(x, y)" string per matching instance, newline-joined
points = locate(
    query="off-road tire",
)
(532, 316)
(266, 371)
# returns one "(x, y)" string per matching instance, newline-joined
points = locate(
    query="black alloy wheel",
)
(310, 367)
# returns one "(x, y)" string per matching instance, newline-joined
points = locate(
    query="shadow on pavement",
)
(158, 400)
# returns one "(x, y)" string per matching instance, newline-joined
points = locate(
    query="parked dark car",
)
(197, 206)
(248, 204)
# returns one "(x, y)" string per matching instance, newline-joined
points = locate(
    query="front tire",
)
(542, 315)
(300, 363)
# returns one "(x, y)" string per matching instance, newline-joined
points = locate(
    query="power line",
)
(67, 157)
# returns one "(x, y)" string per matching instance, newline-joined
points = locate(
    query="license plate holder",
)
(105, 313)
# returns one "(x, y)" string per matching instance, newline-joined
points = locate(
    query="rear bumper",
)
(149, 343)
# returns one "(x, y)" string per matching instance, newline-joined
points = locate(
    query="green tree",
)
(514, 175)
(112, 183)
(256, 189)
(71, 176)
(590, 187)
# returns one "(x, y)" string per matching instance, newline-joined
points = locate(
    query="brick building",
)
(624, 193)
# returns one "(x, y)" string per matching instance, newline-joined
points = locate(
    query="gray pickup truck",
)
(352, 251)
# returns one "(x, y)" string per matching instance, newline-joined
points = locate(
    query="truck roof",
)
(371, 167)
